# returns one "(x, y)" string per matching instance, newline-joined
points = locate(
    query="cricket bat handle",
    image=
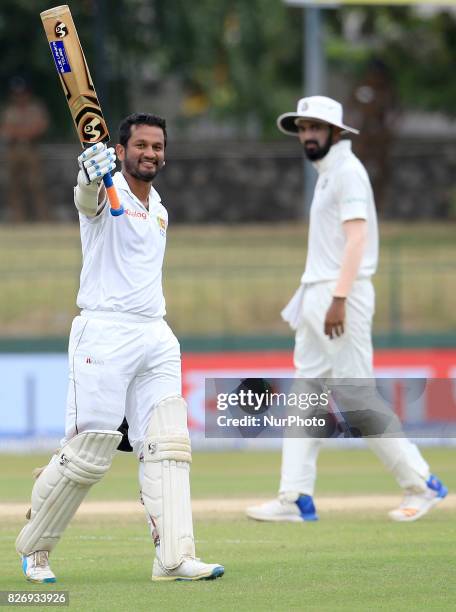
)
(116, 207)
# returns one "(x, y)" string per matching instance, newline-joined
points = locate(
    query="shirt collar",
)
(333, 157)
(120, 182)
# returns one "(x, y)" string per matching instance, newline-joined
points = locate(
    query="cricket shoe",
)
(303, 509)
(36, 567)
(415, 505)
(189, 569)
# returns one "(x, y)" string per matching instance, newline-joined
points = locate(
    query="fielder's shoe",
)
(416, 505)
(303, 509)
(36, 567)
(189, 569)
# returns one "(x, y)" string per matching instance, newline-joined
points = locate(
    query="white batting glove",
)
(96, 161)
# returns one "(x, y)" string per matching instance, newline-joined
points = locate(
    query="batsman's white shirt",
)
(123, 256)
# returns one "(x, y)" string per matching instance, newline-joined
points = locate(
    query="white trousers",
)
(121, 365)
(348, 356)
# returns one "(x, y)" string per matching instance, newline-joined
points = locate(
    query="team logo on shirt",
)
(162, 225)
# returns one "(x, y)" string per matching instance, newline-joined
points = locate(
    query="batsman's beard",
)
(132, 168)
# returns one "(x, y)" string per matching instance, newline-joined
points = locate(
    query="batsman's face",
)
(315, 137)
(144, 155)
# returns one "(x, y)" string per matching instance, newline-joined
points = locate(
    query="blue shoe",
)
(283, 510)
(437, 485)
(306, 507)
(414, 505)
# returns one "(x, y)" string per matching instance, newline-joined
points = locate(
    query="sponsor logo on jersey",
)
(137, 214)
(92, 361)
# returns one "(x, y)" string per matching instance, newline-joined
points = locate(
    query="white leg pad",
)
(166, 483)
(63, 484)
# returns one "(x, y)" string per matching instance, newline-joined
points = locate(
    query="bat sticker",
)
(92, 129)
(60, 57)
(91, 126)
(60, 29)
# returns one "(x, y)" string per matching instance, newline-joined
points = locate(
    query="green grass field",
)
(346, 561)
(228, 280)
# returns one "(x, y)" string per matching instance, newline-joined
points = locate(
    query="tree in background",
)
(417, 45)
(237, 61)
(115, 35)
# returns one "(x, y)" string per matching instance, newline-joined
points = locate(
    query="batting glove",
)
(96, 161)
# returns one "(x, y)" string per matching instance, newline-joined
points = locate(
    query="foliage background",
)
(233, 60)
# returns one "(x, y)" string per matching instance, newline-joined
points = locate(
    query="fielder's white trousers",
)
(121, 365)
(348, 356)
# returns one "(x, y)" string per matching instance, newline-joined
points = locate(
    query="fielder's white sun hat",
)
(319, 108)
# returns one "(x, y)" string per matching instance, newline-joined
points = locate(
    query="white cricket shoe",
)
(303, 509)
(189, 569)
(36, 567)
(415, 505)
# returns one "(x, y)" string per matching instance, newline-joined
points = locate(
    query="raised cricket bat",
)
(78, 86)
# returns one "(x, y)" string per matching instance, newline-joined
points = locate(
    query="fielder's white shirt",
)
(123, 256)
(343, 192)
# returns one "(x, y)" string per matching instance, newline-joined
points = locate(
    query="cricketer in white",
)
(124, 362)
(332, 313)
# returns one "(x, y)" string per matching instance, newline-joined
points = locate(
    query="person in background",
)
(332, 314)
(23, 123)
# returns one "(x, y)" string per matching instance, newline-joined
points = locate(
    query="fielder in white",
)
(124, 362)
(332, 312)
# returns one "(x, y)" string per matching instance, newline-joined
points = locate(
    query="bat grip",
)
(116, 207)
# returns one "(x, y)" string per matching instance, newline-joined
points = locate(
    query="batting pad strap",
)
(63, 484)
(175, 448)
